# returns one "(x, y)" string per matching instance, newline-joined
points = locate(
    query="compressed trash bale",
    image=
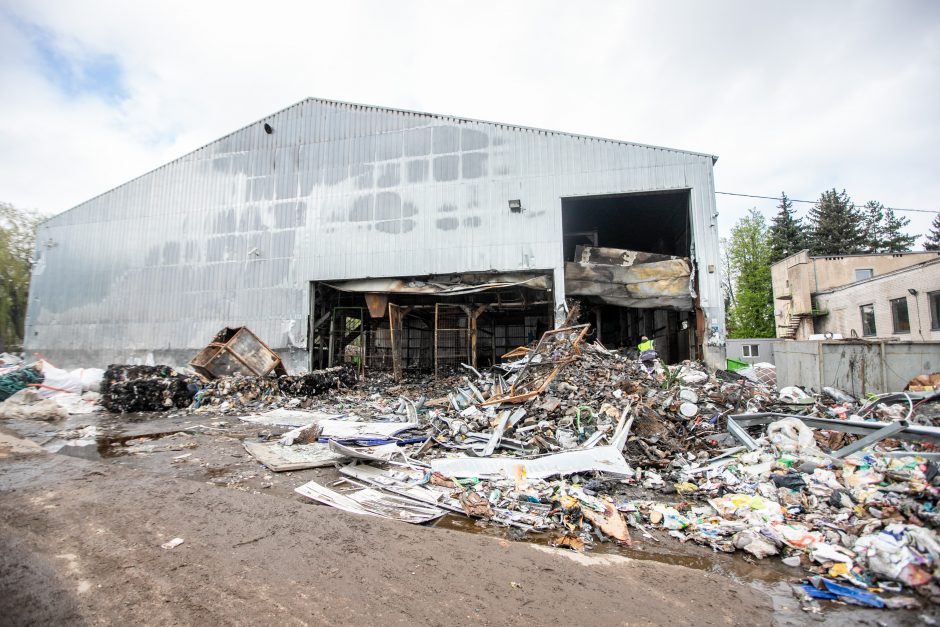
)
(145, 388)
(318, 381)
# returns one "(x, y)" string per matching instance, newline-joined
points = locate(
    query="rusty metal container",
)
(237, 351)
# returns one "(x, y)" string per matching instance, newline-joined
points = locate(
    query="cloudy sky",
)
(798, 96)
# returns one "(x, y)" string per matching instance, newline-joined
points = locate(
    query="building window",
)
(750, 350)
(863, 273)
(902, 323)
(934, 298)
(868, 320)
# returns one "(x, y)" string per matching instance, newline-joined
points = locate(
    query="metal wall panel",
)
(233, 232)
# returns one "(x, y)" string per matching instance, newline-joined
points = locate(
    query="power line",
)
(813, 202)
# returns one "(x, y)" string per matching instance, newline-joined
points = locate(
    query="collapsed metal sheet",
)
(381, 453)
(629, 278)
(617, 256)
(447, 286)
(392, 481)
(369, 502)
(331, 425)
(343, 429)
(278, 458)
(606, 459)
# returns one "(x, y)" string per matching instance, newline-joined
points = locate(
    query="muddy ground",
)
(81, 529)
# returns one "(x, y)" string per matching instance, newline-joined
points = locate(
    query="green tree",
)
(17, 234)
(873, 215)
(932, 240)
(836, 226)
(727, 274)
(884, 231)
(749, 252)
(786, 232)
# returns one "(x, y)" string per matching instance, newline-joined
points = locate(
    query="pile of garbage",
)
(563, 437)
(591, 446)
(244, 393)
(40, 391)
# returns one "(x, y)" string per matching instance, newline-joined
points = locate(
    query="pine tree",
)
(752, 314)
(894, 238)
(873, 216)
(786, 231)
(932, 241)
(836, 225)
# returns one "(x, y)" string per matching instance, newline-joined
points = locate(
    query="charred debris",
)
(568, 440)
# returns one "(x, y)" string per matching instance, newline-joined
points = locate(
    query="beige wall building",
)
(827, 294)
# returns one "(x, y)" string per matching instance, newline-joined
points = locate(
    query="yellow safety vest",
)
(645, 346)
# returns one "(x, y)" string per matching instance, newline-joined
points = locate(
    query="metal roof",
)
(440, 116)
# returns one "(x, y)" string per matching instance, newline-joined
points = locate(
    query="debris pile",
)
(145, 388)
(240, 393)
(583, 443)
(318, 381)
(28, 405)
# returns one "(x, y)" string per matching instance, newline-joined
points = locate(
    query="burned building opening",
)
(427, 324)
(628, 259)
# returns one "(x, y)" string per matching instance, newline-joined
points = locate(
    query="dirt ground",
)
(80, 537)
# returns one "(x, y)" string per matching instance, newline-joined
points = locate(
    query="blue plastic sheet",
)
(823, 588)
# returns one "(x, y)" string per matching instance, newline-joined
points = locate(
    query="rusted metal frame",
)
(437, 348)
(547, 334)
(395, 329)
(519, 351)
(240, 360)
(913, 433)
(513, 396)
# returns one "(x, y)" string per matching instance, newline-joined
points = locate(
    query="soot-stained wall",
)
(233, 233)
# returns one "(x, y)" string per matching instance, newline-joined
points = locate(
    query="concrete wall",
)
(765, 349)
(844, 304)
(836, 271)
(858, 368)
(798, 277)
(793, 286)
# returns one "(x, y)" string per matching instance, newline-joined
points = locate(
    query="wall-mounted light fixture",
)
(268, 128)
(912, 291)
(515, 206)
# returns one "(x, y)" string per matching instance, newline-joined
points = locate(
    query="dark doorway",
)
(650, 222)
(655, 222)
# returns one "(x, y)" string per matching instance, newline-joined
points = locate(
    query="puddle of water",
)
(102, 447)
(668, 551)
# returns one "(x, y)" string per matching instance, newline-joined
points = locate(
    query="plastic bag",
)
(889, 553)
(57, 381)
(794, 395)
(90, 377)
(791, 435)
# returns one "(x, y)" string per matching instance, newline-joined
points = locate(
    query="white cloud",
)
(801, 96)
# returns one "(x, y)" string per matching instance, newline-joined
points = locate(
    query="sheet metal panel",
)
(232, 233)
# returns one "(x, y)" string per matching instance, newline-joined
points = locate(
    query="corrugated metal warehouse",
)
(343, 232)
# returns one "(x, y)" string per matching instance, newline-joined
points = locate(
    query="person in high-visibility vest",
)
(648, 354)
